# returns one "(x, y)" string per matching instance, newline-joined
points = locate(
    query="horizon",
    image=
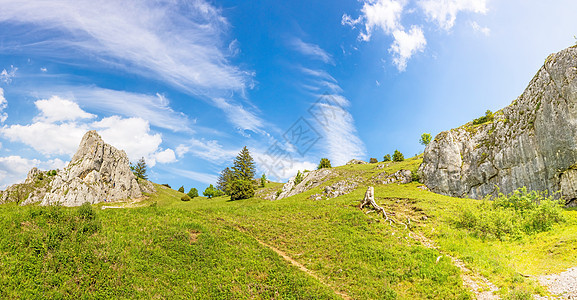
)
(187, 84)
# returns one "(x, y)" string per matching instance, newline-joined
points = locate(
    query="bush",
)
(373, 160)
(398, 156)
(488, 117)
(511, 216)
(211, 191)
(263, 181)
(166, 185)
(185, 198)
(241, 189)
(324, 163)
(387, 157)
(86, 212)
(298, 177)
(192, 193)
(181, 189)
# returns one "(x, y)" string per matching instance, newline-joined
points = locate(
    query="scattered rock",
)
(562, 285)
(356, 162)
(311, 180)
(401, 176)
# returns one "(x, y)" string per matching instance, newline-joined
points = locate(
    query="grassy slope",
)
(208, 247)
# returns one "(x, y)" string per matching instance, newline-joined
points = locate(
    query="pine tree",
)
(263, 181)
(225, 180)
(398, 156)
(387, 157)
(243, 166)
(139, 169)
(181, 189)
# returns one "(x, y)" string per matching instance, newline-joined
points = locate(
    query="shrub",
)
(298, 177)
(398, 156)
(263, 181)
(181, 189)
(192, 193)
(185, 198)
(166, 185)
(211, 191)
(324, 163)
(387, 157)
(425, 139)
(488, 117)
(241, 189)
(373, 160)
(511, 216)
(86, 212)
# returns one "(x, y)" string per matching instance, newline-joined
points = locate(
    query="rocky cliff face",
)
(532, 142)
(97, 172)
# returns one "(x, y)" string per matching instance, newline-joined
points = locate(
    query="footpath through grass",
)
(208, 248)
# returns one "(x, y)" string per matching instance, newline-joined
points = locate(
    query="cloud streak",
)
(311, 50)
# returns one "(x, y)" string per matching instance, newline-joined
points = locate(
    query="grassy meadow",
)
(220, 249)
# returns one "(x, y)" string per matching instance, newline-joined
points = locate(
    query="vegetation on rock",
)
(425, 139)
(324, 163)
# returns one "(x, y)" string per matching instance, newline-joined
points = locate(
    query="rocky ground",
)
(562, 285)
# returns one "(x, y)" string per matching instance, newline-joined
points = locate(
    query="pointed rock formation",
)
(98, 172)
(531, 143)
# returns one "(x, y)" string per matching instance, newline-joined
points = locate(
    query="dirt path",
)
(562, 285)
(476, 283)
(297, 264)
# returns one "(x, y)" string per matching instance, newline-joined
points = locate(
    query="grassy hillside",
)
(216, 248)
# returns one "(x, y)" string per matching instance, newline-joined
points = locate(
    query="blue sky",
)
(187, 84)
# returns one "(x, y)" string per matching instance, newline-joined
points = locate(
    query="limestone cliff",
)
(98, 172)
(532, 142)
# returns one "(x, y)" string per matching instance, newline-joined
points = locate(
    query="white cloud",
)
(311, 50)
(200, 177)
(383, 14)
(239, 115)
(6, 76)
(131, 135)
(178, 42)
(13, 169)
(208, 150)
(153, 108)
(406, 45)
(444, 12)
(484, 30)
(57, 109)
(43, 70)
(47, 138)
(166, 156)
(3, 105)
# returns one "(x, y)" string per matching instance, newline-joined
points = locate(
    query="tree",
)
(425, 139)
(241, 189)
(181, 189)
(139, 169)
(324, 163)
(298, 177)
(398, 156)
(373, 160)
(243, 166)
(192, 193)
(225, 180)
(211, 191)
(387, 157)
(263, 181)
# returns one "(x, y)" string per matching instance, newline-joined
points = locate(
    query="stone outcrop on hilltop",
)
(98, 172)
(532, 142)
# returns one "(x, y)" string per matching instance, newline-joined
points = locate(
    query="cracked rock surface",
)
(532, 142)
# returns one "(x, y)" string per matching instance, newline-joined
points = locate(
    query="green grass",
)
(209, 248)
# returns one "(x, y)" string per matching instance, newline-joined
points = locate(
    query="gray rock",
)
(531, 143)
(311, 180)
(356, 162)
(401, 176)
(98, 172)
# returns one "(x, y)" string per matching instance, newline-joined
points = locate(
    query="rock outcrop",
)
(98, 172)
(532, 142)
(310, 180)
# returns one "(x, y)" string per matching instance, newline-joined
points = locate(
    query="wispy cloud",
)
(239, 115)
(311, 50)
(3, 105)
(444, 13)
(478, 28)
(178, 42)
(7, 75)
(198, 176)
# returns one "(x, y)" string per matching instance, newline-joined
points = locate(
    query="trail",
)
(296, 264)
(476, 283)
(562, 285)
